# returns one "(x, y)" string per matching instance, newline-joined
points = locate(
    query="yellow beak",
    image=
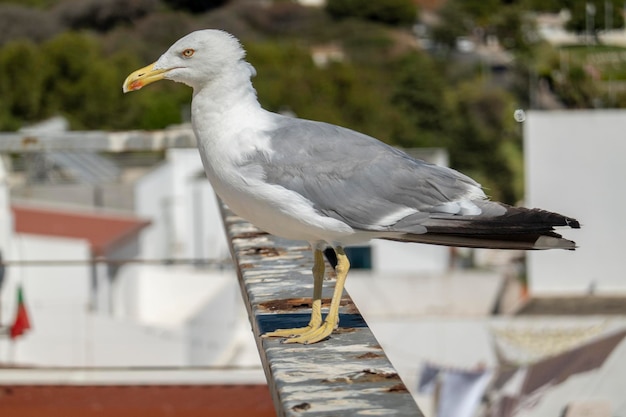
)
(142, 77)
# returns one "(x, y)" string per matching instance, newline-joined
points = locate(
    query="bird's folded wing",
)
(357, 179)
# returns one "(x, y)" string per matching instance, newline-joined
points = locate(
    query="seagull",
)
(324, 184)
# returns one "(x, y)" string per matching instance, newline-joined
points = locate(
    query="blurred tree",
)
(576, 86)
(70, 75)
(24, 72)
(393, 12)
(485, 142)
(594, 12)
(195, 6)
(157, 31)
(19, 22)
(347, 94)
(453, 23)
(102, 15)
(282, 18)
(70, 58)
(480, 10)
(32, 3)
(363, 40)
(420, 95)
(513, 29)
(552, 6)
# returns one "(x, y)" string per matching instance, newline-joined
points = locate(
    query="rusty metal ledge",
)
(346, 375)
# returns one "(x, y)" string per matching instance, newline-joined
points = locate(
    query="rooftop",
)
(574, 305)
(136, 400)
(103, 230)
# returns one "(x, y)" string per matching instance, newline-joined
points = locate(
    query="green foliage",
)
(485, 142)
(382, 87)
(581, 76)
(342, 93)
(71, 76)
(495, 17)
(32, 3)
(394, 12)
(453, 24)
(512, 29)
(598, 15)
(481, 10)
(550, 6)
(21, 85)
(420, 95)
(576, 88)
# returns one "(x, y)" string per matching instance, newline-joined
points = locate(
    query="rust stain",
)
(29, 140)
(301, 407)
(248, 235)
(288, 304)
(350, 307)
(397, 388)
(371, 375)
(370, 355)
(341, 330)
(366, 376)
(268, 252)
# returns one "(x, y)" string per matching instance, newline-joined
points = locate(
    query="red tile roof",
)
(136, 401)
(103, 231)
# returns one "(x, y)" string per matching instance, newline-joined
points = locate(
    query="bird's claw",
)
(304, 335)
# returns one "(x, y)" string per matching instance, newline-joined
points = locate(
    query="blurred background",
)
(115, 271)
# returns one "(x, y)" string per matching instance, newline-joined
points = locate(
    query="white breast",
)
(224, 140)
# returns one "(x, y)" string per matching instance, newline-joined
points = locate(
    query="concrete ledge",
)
(132, 140)
(345, 375)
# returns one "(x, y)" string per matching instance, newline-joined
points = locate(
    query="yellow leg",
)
(332, 319)
(316, 307)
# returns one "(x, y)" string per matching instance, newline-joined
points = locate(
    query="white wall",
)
(114, 342)
(56, 296)
(202, 305)
(6, 217)
(182, 207)
(393, 257)
(162, 315)
(575, 166)
(65, 330)
(152, 202)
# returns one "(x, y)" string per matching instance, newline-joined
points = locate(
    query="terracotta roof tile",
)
(103, 231)
(136, 401)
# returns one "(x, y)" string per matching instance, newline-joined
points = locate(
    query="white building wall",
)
(202, 305)
(6, 217)
(392, 257)
(152, 201)
(575, 166)
(65, 330)
(115, 342)
(204, 222)
(182, 207)
(56, 297)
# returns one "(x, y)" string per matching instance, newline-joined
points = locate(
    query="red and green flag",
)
(21, 323)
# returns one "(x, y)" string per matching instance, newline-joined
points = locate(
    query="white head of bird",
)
(194, 60)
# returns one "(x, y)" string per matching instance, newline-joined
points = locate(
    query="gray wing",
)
(356, 178)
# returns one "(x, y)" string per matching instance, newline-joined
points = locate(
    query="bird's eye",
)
(188, 53)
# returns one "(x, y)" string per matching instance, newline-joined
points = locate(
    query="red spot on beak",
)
(135, 85)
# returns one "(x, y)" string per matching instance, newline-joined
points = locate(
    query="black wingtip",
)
(573, 223)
